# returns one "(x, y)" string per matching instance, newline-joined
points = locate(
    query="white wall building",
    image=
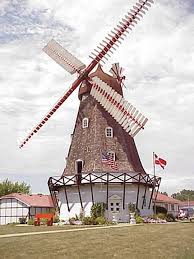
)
(18, 205)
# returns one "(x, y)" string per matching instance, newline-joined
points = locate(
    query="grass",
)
(144, 241)
(13, 229)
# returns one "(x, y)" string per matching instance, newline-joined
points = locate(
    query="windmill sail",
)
(116, 71)
(73, 65)
(63, 57)
(131, 120)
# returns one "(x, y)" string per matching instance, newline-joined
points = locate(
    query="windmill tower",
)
(103, 164)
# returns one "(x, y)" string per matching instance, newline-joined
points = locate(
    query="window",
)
(115, 206)
(109, 132)
(85, 123)
(79, 165)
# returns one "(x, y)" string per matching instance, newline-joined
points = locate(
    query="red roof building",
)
(18, 205)
(172, 205)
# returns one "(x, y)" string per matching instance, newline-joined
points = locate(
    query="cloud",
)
(158, 57)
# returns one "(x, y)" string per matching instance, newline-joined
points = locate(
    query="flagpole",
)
(154, 169)
(154, 166)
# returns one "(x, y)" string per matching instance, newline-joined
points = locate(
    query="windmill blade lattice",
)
(65, 59)
(119, 32)
(72, 64)
(131, 120)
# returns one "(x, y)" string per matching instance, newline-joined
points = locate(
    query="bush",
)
(31, 222)
(22, 220)
(43, 221)
(161, 216)
(160, 209)
(100, 221)
(56, 219)
(170, 217)
(72, 221)
(131, 207)
(88, 221)
(138, 219)
(98, 209)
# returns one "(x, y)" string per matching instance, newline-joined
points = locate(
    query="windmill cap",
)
(111, 81)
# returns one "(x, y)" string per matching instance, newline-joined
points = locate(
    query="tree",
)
(7, 187)
(184, 195)
(164, 193)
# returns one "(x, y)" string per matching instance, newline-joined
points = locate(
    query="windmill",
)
(101, 99)
(74, 65)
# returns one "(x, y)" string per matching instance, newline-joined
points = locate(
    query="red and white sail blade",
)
(120, 30)
(131, 120)
(52, 111)
(122, 112)
(65, 59)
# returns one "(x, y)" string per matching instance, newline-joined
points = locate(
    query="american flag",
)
(108, 159)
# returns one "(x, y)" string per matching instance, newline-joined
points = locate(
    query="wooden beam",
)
(124, 191)
(137, 200)
(91, 188)
(145, 192)
(107, 183)
(65, 190)
(80, 197)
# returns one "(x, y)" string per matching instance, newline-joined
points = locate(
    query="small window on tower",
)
(85, 123)
(109, 132)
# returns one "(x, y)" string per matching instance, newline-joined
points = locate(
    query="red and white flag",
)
(160, 161)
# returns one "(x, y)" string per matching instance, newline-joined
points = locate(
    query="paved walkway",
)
(64, 230)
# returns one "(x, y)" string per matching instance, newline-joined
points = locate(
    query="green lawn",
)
(14, 229)
(143, 241)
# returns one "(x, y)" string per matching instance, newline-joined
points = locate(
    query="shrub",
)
(100, 221)
(22, 220)
(43, 221)
(81, 215)
(170, 217)
(98, 209)
(160, 209)
(161, 216)
(138, 219)
(131, 207)
(72, 221)
(88, 221)
(155, 216)
(56, 219)
(31, 222)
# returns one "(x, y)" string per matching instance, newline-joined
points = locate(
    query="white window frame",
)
(85, 123)
(109, 132)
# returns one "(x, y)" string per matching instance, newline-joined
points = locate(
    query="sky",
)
(158, 58)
